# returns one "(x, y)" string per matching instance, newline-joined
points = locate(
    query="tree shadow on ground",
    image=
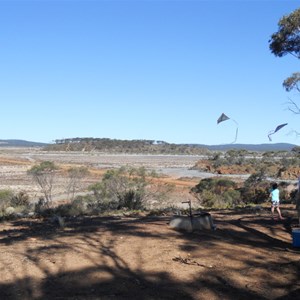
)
(110, 275)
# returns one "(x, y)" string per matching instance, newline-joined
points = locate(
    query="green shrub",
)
(285, 195)
(256, 188)
(5, 199)
(209, 199)
(232, 198)
(217, 193)
(129, 188)
(20, 199)
(131, 199)
(255, 194)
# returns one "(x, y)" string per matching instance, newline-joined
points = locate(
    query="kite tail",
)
(269, 135)
(236, 135)
(236, 132)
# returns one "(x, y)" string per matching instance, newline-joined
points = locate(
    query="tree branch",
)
(294, 107)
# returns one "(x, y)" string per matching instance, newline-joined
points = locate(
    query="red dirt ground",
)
(249, 256)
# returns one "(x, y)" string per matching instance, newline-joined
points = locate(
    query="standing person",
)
(275, 201)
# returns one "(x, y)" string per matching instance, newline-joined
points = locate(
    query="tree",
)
(75, 176)
(292, 83)
(287, 41)
(44, 174)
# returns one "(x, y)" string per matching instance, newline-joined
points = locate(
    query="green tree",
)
(287, 39)
(292, 82)
(44, 175)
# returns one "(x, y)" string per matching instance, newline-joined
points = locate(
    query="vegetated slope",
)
(142, 146)
(154, 147)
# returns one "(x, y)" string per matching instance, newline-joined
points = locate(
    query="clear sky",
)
(158, 70)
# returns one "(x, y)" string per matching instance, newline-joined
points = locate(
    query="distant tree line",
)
(124, 146)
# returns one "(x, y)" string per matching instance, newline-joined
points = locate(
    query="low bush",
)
(13, 204)
(256, 188)
(129, 188)
(217, 193)
(20, 199)
(5, 199)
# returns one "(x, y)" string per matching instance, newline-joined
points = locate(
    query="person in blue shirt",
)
(275, 201)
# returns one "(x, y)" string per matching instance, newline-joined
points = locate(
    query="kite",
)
(222, 118)
(276, 129)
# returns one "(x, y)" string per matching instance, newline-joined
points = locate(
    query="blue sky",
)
(158, 70)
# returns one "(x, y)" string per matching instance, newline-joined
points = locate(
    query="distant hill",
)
(155, 147)
(20, 143)
(141, 146)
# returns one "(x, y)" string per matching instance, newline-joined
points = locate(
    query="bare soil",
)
(248, 256)
(15, 162)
